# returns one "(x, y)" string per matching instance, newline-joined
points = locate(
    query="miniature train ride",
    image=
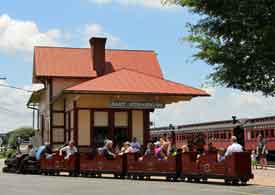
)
(186, 166)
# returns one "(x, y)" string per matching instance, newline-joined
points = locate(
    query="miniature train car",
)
(151, 166)
(95, 165)
(55, 164)
(235, 169)
(29, 167)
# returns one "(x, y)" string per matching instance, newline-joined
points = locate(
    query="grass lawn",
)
(2, 156)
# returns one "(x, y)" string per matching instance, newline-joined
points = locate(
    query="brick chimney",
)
(98, 54)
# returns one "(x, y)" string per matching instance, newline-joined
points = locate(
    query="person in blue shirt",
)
(135, 145)
(221, 154)
(44, 149)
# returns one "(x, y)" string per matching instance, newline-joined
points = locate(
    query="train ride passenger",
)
(135, 145)
(234, 147)
(46, 150)
(163, 139)
(221, 154)
(107, 149)
(211, 148)
(200, 153)
(261, 151)
(149, 152)
(185, 148)
(162, 151)
(29, 156)
(69, 150)
(127, 148)
(172, 148)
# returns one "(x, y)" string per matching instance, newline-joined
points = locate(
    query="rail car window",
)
(223, 136)
(267, 133)
(248, 134)
(272, 134)
(252, 134)
(210, 136)
(262, 133)
(229, 135)
(217, 135)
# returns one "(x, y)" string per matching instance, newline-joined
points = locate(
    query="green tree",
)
(236, 37)
(23, 132)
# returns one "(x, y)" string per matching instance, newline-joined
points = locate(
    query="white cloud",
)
(145, 3)
(13, 110)
(222, 105)
(19, 35)
(96, 30)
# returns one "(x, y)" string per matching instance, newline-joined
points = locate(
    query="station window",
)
(100, 134)
(100, 129)
(120, 135)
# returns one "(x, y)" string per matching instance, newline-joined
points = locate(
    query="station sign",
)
(136, 105)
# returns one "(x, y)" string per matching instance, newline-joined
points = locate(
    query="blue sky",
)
(137, 27)
(129, 24)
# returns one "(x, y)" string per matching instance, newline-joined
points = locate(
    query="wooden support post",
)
(92, 127)
(65, 121)
(146, 127)
(111, 117)
(51, 110)
(38, 120)
(42, 128)
(75, 109)
(33, 118)
(130, 125)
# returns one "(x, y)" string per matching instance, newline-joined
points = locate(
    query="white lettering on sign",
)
(139, 105)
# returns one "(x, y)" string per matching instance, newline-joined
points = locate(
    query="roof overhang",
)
(130, 83)
(35, 97)
(156, 97)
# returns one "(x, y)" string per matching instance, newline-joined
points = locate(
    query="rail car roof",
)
(262, 122)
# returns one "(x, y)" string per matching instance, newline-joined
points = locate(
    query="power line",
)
(17, 88)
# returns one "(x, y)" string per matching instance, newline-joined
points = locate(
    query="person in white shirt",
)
(69, 150)
(28, 156)
(234, 147)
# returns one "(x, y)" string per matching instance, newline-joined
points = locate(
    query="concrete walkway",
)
(261, 177)
(1, 165)
(264, 177)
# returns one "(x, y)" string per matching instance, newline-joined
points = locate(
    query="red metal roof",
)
(132, 82)
(77, 62)
(62, 62)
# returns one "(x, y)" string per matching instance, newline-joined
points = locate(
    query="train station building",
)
(95, 93)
